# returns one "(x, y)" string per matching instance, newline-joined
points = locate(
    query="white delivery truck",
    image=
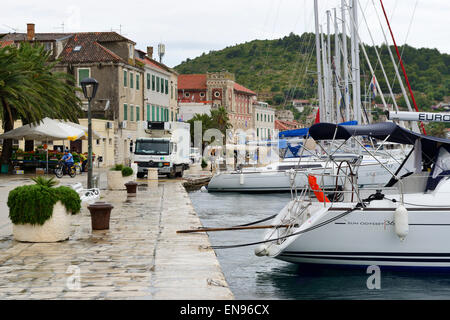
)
(166, 146)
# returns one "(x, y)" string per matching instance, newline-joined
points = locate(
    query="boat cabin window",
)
(441, 168)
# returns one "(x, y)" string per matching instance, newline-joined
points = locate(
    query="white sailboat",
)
(405, 225)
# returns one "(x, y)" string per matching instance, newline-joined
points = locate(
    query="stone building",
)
(218, 89)
(263, 120)
(109, 58)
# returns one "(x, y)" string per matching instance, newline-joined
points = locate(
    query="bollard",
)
(152, 177)
(100, 215)
(131, 188)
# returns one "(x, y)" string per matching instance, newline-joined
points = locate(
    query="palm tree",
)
(31, 90)
(220, 120)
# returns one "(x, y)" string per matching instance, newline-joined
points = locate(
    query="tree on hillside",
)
(30, 90)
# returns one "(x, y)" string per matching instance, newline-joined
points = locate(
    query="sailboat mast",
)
(345, 62)
(403, 68)
(355, 63)
(330, 77)
(325, 77)
(319, 65)
(337, 63)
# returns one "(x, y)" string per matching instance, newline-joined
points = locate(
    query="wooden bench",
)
(86, 195)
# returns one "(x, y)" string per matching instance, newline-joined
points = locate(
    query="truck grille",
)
(150, 164)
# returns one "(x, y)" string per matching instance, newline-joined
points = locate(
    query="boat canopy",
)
(303, 132)
(388, 131)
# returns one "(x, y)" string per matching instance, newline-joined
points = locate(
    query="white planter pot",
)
(57, 228)
(116, 181)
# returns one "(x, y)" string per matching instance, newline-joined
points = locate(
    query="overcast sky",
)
(189, 28)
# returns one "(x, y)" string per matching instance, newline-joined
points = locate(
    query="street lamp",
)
(89, 86)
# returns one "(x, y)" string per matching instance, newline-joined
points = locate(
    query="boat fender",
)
(320, 195)
(261, 250)
(241, 178)
(401, 222)
(203, 189)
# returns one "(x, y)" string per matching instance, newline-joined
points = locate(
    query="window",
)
(171, 91)
(125, 81)
(257, 117)
(76, 49)
(148, 112)
(130, 51)
(162, 85)
(153, 113)
(153, 82)
(257, 132)
(157, 84)
(137, 81)
(138, 113)
(83, 73)
(131, 113)
(157, 113)
(148, 81)
(186, 94)
(131, 80)
(166, 87)
(202, 94)
(110, 141)
(125, 112)
(265, 118)
(171, 115)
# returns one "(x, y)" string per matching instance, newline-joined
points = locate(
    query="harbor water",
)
(252, 277)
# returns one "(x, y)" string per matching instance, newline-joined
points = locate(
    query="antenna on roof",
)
(61, 27)
(161, 51)
(13, 29)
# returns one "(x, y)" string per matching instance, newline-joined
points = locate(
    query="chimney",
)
(150, 52)
(30, 31)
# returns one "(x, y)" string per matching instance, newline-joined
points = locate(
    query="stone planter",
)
(57, 228)
(100, 215)
(131, 188)
(116, 181)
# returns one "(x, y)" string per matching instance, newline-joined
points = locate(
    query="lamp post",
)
(89, 86)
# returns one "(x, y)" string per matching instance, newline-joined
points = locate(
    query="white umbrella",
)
(95, 135)
(47, 129)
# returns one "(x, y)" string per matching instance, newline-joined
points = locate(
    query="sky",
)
(190, 28)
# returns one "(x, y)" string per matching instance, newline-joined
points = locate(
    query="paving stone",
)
(139, 257)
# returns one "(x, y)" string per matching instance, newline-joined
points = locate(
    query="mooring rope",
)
(290, 235)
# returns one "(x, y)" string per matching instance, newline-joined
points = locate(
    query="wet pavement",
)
(140, 257)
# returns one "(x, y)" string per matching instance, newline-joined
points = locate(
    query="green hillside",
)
(282, 69)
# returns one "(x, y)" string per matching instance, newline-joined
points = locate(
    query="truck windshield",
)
(152, 147)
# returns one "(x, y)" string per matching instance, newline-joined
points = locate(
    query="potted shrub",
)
(42, 212)
(117, 177)
(204, 164)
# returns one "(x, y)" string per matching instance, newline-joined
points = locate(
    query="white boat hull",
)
(367, 236)
(372, 174)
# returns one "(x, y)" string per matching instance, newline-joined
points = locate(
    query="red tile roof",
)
(150, 62)
(243, 89)
(192, 82)
(5, 43)
(285, 125)
(91, 49)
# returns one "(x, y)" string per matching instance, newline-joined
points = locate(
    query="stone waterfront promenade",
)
(140, 257)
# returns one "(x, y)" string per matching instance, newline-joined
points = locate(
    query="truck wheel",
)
(180, 174)
(172, 173)
(140, 175)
